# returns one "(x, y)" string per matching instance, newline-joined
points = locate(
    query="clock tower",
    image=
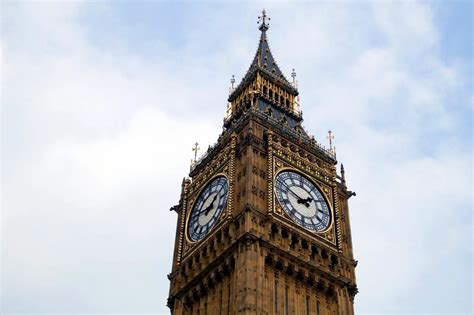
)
(263, 219)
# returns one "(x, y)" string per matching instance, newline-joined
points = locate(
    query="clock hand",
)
(206, 211)
(306, 201)
(300, 200)
(289, 189)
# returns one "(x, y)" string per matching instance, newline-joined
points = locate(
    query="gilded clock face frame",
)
(207, 208)
(302, 200)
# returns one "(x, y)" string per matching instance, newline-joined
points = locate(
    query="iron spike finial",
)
(343, 174)
(293, 75)
(196, 148)
(330, 136)
(232, 81)
(262, 20)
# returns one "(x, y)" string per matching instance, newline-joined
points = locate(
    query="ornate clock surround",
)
(222, 163)
(329, 235)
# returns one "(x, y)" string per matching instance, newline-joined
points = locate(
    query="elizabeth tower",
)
(263, 219)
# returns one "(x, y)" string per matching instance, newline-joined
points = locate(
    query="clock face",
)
(207, 208)
(302, 201)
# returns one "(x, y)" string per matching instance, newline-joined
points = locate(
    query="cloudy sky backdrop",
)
(102, 101)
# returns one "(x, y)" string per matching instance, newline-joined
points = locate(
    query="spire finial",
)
(196, 148)
(343, 174)
(330, 136)
(262, 20)
(232, 81)
(293, 75)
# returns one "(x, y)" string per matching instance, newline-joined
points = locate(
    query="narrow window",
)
(286, 300)
(275, 297)
(307, 305)
(205, 308)
(228, 297)
(220, 303)
(317, 308)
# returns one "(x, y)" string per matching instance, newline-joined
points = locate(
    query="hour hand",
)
(305, 201)
(206, 211)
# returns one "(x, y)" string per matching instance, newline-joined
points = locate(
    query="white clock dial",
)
(302, 201)
(207, 208)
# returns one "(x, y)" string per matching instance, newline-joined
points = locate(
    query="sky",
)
(101, 102)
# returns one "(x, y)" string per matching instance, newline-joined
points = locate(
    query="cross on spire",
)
(262, 20)
(195, 149)
(293, 75)
(330, 136)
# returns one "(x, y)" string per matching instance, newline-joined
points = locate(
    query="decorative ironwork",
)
(330, 136)
(262, 20)
(232, 82)
(198, 161)
(195, 149)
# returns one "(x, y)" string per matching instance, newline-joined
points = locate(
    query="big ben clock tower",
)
(263, 219)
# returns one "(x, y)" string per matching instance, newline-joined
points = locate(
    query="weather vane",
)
(262, 20)
(196, 148)
(330, 136)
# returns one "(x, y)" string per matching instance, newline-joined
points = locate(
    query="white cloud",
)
(90, 172)
(407, 26)
(98, 207)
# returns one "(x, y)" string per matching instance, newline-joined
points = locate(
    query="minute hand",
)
(289, 189)
(206, 211)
